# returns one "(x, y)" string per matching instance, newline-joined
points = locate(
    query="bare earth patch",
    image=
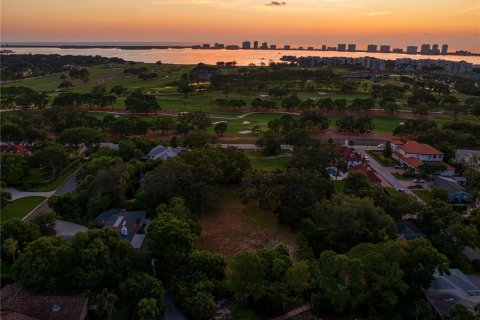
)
(234, 227)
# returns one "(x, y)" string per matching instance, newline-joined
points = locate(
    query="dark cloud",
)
(276, 3)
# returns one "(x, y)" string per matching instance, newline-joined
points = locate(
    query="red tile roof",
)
(410, 161)
(397, 142)
(348, 154)
(368, 172)
(412, 146)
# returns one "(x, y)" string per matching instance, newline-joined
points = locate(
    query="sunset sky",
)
(300, 22)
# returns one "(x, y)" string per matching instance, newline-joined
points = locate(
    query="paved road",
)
(387, 175)
(70, 184)
(251, 146)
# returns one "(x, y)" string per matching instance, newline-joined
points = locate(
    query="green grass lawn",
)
(261, 161)
(386, 162)
(19, 208)
(425, 195)
(339, 185)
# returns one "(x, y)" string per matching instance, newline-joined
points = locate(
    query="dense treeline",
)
(18, 66)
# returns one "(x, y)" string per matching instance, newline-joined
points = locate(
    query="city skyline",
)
(302, 22)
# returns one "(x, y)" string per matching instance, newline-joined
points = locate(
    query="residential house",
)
(365, 168)
(349, 156)
(407, 230)
(161, 152)
(456, 193)
(12, 148)
(20, 304)
(128, 224)
(446, 291)
(413, 154)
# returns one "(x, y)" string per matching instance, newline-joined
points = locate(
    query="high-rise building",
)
(425, 48)
(273, 47)
(264, 45)
(435, 49)
(397, 50)
(372, 48)
(324, 47)
(445, 49)
(310, 48)
(412, 49)
(246, 45)
(342, 47)
(219, 46)
(286, 47)
(255, 44)
(206, 46)
(352, 47)
(385, 48)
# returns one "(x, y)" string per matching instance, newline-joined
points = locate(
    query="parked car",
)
(401, 190)
(381, 145)
(398, 166)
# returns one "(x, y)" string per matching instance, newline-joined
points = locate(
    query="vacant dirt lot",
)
(234, 227)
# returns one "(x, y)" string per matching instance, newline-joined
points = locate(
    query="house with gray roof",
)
(456, 193)
(161, 152)
(128, 223)
(446, 291)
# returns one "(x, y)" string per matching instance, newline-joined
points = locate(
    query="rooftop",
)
(164, 152)
(448, 184)
(412, 146)
(368, 172)
(127, 222)
(447, 291)
(20, 304)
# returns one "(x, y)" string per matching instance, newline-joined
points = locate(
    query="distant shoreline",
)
(166, 47)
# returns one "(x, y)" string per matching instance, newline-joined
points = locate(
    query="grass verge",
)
(423, 194)
(19, 208)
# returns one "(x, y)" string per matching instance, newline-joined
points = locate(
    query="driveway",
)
(17, 194)
(68, 229)
(70, 184)
(387, 175)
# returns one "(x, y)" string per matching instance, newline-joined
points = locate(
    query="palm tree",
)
(148, 309)
(10, 246)
(106, 303)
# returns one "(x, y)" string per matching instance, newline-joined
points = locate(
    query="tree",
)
(21, 231)
(170, 241)
(357, 183)
(10, 247)
(148, 309)
(198, 139)
(66, 84)
(42, 264)
(118, 90)
(184, 88)
(439, 194)
(298, 277)
(106, 303)
(164, 124)
(12, 132)
(46, 223)
(247, 276)
(102, 259)
(387, 151)
(140, 102)
(14, 167)
(52, 157)
(270, 143)
(77, 136)
(220, 128)
(5, 198)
